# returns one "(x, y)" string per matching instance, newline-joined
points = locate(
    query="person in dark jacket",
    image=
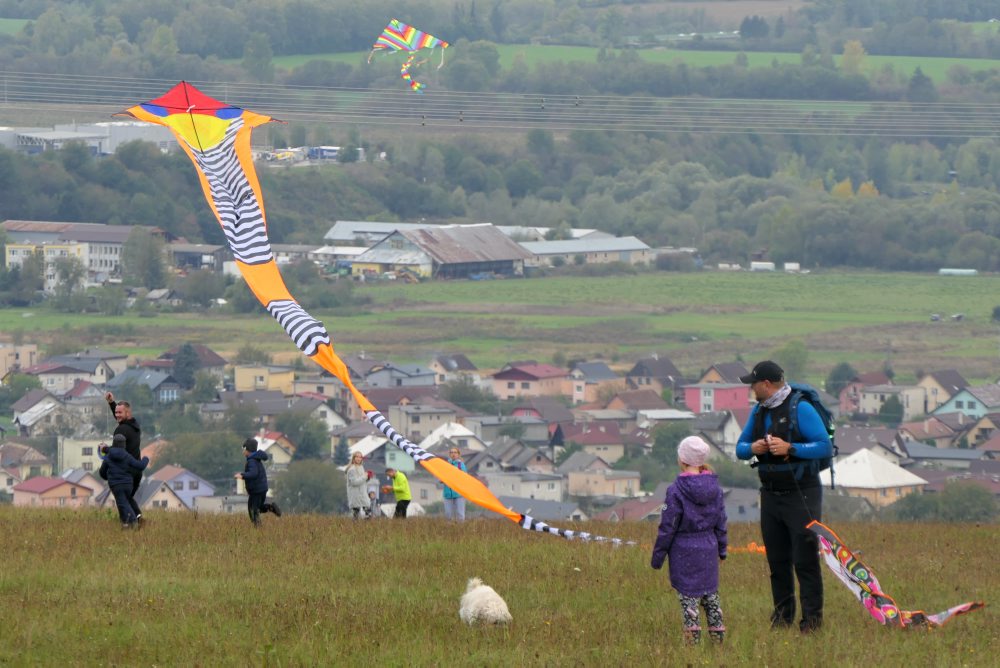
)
(118, 468)
(787, 449)
(128, 427)
(254, 477)
(693, 533)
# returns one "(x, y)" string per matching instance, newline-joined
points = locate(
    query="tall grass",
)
(311, 590)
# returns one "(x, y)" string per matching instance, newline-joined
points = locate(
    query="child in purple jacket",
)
(693, 533)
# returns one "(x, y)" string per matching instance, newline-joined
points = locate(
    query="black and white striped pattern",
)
(531, 524)
(240, 213)
(306, 331)
(400, 441)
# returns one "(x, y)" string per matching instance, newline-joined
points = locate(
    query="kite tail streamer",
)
(216, 136)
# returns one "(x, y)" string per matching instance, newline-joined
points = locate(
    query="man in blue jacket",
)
(787, 449)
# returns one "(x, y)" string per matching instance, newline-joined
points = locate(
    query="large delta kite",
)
(216, 136)
(862, 582)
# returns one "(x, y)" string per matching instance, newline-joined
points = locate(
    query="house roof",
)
(42, 484)
(64, 364)
(533, 371)
(711, 421)
(19, 454)
(30, 399)
(605, 433)
(151, 378)
(642, 400)
(169, 472)
(949, 379)
(988, 394)
(730, 372)
(866, 469)
(655, 366)
(449, 430)
(873, 378)
(206, 356)
(594, 372)
(80, 388)
(149, 487)
(917, 450)
(383, 397)
(851, 438)
(581, 461)
(154, 448)
(456, 244)
(588, 245)
(930, 427)
(549, 409)
(457, 362)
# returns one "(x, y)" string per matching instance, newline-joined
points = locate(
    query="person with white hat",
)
(693, 533)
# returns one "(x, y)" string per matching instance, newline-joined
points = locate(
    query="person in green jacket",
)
(401, 488)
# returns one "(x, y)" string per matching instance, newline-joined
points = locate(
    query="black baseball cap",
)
(766, 370)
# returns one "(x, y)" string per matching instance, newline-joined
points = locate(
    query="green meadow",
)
(317, 590)
(11, 26)
(532, 54)
(698, 318)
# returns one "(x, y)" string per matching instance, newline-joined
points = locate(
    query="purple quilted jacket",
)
(693, 533)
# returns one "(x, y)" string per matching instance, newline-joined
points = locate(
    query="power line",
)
(105, 96)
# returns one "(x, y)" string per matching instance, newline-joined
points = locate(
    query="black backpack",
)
(809, 394)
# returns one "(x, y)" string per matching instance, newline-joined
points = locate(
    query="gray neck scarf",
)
(775, 399)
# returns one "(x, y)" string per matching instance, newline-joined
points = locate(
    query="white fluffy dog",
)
(481, 604)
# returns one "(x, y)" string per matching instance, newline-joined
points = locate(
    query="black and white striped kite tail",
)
(531, 524)
(400, 441)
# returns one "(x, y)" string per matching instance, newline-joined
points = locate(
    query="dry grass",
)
(310, 590)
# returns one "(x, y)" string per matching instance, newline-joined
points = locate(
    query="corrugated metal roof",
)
(588, 245)
(456, 244)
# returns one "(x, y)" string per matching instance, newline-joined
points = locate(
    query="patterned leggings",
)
(713, 612)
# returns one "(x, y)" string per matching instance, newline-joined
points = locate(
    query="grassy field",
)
(11, 26)
(935, 68)
(311, 590)
(699, 319)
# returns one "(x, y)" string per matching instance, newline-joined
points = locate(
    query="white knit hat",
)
(693, 451)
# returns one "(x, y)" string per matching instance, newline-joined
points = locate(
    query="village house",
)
(974, 401)
(16, 356)
(250, 377)
(638, 400)
(162, 386)
(728, 373)
(600, 250)
(385, 397)
(603, 483)
(591, 382)
(151, 495)
(452, 368)
(417, 420)
(403, 375)
(656, 373)
(19, 462)
(58, 375)
(88, 479)
(51, 492)
(928, 430)
(73, 453)
(603, 440)
(869, 476)
(209, 361)
(925, 455)
(721, 428)
(715, 396)
(582, 460)
(939, 387)
(533, 431)
(544, 510)
(911, 398)
(526, 485)
(185, 484)
(850, 395)
(529, 380)
(452, 434)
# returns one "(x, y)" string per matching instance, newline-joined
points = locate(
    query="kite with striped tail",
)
(216, 136)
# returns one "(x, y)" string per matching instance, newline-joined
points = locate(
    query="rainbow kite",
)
(398, 36)
(860, 580)
(216, 136)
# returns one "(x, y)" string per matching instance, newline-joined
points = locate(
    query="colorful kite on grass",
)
(398, 36)
(860, 580)
(216, 136)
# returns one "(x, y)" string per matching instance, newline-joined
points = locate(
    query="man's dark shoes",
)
(275, 509)
(812, 625)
